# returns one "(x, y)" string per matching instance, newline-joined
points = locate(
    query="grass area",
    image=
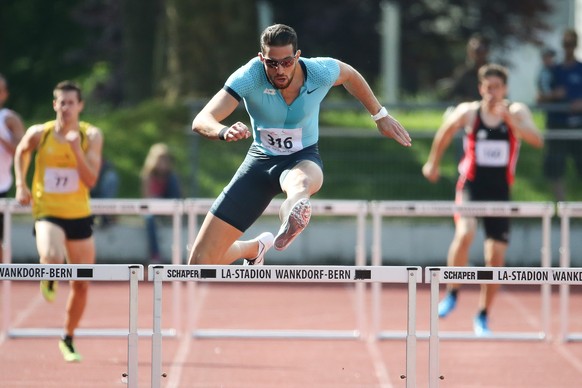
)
(366, 166)
(129, 133)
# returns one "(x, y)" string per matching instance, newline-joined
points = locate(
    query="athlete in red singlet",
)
(493, 130)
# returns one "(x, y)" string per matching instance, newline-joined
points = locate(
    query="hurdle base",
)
(396, 334)
(41, 332)
(573, 337)
(469, 335)
(277, 334)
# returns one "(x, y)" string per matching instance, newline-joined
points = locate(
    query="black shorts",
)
(75, 228)
(255, 184)
(2, 195)
(496, 228)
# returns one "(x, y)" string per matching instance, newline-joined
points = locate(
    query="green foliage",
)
(41, 44)
(358, 163)
(129, 133)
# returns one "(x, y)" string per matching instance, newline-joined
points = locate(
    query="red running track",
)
(193, 362)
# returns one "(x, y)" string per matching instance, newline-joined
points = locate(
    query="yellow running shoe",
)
(68, 351)
(48, 288)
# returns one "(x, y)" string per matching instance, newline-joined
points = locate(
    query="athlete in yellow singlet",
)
(68, 159)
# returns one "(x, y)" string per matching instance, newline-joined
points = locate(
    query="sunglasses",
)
(285, 62)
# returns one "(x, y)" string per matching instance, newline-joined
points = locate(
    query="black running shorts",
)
(75, 229)
(496, 228)
(255, 184)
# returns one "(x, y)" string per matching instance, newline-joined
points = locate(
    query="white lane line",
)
(518, 305)
(380, 368)
(23, 315)
(570, 357)
(199, 293)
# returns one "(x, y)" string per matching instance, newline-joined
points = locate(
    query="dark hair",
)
(479, 38)
(68, 86)
(493, 70)
(570, 33)
(278, 35)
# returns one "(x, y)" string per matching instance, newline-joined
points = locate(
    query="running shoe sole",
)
(70, 355)
(296, 221)
(481, 327)
(48, 293)
(447, 305)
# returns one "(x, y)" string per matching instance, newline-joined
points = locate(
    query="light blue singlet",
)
(278, 128)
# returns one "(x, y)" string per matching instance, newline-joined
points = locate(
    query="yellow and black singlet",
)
(57, 189)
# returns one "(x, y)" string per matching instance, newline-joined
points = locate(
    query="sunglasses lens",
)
(287, 62)
(273, 64)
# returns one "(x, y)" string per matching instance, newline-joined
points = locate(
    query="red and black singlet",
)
(488, 165)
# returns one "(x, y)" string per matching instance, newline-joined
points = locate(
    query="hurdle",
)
(100, 272)
(284, 274)
(543, 210)
(566, 211)
(98, 206)
(350, 208)
(485, 275)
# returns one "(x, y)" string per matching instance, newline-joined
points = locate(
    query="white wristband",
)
(380, 115)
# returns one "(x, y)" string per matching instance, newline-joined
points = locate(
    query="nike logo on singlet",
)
(311, 91)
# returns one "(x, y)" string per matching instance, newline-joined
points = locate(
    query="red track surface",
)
(192, 362)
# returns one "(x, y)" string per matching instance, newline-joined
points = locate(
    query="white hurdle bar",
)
(320, 207)
(566, 211)
(98, 206)
(485, 275)
(99, 272)
(543, 210)
(280, 274)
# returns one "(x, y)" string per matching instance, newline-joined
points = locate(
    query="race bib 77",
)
(61, 180)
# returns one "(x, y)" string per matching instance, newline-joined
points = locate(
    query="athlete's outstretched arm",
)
(442, 139)
(357, 86)
(208, 122)
(22, 158)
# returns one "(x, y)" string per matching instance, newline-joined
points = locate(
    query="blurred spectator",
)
(545, 86)
(11, 131)
(462, 85)
(567, 90)
(158, 180)
(107, 187)
(545, 76)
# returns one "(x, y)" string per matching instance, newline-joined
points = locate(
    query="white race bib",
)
(492, 153)
(61, 180)
(281, 141)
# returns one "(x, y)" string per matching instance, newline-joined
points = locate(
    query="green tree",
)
(41, 43)
(140, 22)
(433, 38)
(133, 50)
(205, 42)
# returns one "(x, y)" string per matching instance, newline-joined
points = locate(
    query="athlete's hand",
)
(431, 172)
(74, 140)
(500, 108)
(23, 195)
(390, 127)
(237, 131)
